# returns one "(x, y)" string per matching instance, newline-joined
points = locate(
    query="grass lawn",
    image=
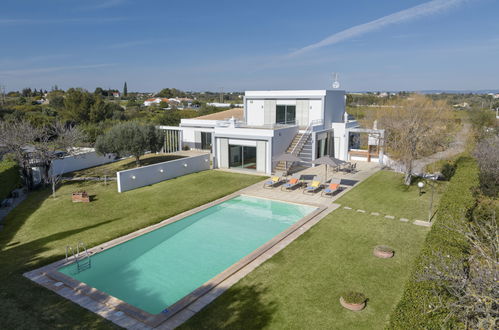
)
(385, 193)
(37, 232)
(299, 288)
(121, 165)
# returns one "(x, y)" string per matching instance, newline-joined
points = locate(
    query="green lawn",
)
(121, 165)
(299, 287)
(37, 231)
(385, 193)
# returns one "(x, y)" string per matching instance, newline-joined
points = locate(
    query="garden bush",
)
(415, 309)
(9, 178)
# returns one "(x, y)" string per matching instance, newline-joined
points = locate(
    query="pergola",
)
(376, 139)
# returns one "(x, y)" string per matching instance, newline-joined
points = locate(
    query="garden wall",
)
(80, 161)
(147, 175)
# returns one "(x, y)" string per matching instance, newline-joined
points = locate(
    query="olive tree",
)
(130, 139)
(416, 126)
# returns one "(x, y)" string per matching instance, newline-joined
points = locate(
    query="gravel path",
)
(454, 148)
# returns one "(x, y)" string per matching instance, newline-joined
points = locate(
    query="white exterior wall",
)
(188, 136)
(340, 141)
(79, 162)
(315, 110)
(146, 175)
(255, 112)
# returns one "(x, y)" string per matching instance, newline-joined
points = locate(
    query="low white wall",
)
(147, 175)
(79, 162)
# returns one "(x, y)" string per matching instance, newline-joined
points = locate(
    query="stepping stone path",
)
(422, 223)
(376, 214)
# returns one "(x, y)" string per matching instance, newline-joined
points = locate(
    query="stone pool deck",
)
(129, 317)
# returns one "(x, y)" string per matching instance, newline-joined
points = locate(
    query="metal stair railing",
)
(303, 140)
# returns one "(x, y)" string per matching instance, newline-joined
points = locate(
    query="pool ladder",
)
(81, 257)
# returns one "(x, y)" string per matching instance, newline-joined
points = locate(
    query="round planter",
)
(382, 254)
(352, 307)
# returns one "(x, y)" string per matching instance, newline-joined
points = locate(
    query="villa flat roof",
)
(291, 93)
(237, 113)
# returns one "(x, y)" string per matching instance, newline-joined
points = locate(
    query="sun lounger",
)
(312, 186)
(332, 188)
(274, 181)
(293, 182)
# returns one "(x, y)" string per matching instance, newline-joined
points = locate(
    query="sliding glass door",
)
(242, 157)
(285, 114)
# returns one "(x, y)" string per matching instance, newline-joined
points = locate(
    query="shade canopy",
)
(287, 158)
(331, 161)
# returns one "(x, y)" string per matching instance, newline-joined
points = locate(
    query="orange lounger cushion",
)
(293, 181)
(333, 186)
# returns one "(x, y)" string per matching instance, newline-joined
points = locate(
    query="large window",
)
(285, 114)
(206, 140)
(322, 148)
(242, 157)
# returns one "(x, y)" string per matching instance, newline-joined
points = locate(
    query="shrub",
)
(352, 297)
(448, 170)
(414, 310)
(9, 177)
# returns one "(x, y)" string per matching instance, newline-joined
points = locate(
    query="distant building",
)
(155, 100)
(116, 94)
(462, 105)
(224, 105)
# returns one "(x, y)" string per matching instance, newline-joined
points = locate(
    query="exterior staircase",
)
(281, 166)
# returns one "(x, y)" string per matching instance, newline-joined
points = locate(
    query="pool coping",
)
(154, 320)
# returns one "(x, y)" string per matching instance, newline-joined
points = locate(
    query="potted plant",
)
(354, 301)
(383, 251)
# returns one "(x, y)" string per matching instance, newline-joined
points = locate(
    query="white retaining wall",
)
(147, 175)
(79, 162)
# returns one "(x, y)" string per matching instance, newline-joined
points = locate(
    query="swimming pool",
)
(157, 269)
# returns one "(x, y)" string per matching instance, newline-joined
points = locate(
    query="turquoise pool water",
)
(155, 270)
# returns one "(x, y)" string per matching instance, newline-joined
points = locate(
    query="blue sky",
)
(236, 45)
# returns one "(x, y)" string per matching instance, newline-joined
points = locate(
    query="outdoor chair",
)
(312, 186)
(293, 182)
(274, 181)
(332, 188)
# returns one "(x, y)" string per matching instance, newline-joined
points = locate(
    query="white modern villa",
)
(305, 123)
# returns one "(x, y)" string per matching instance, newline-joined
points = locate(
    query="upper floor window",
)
(285, 114)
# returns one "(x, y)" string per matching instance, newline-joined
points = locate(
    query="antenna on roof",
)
(336, 83)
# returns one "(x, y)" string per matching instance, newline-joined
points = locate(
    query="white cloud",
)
(133, 43)
(107, 4)
(425, 9)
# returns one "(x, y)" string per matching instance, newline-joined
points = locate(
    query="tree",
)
(125, 90)
(487, 155)
(39, 145)
(130, 139)
(416, 127)
(77, 103)
(16, 136)
(54, 142)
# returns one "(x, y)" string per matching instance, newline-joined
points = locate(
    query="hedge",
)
(413, 310)
(9, 178)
